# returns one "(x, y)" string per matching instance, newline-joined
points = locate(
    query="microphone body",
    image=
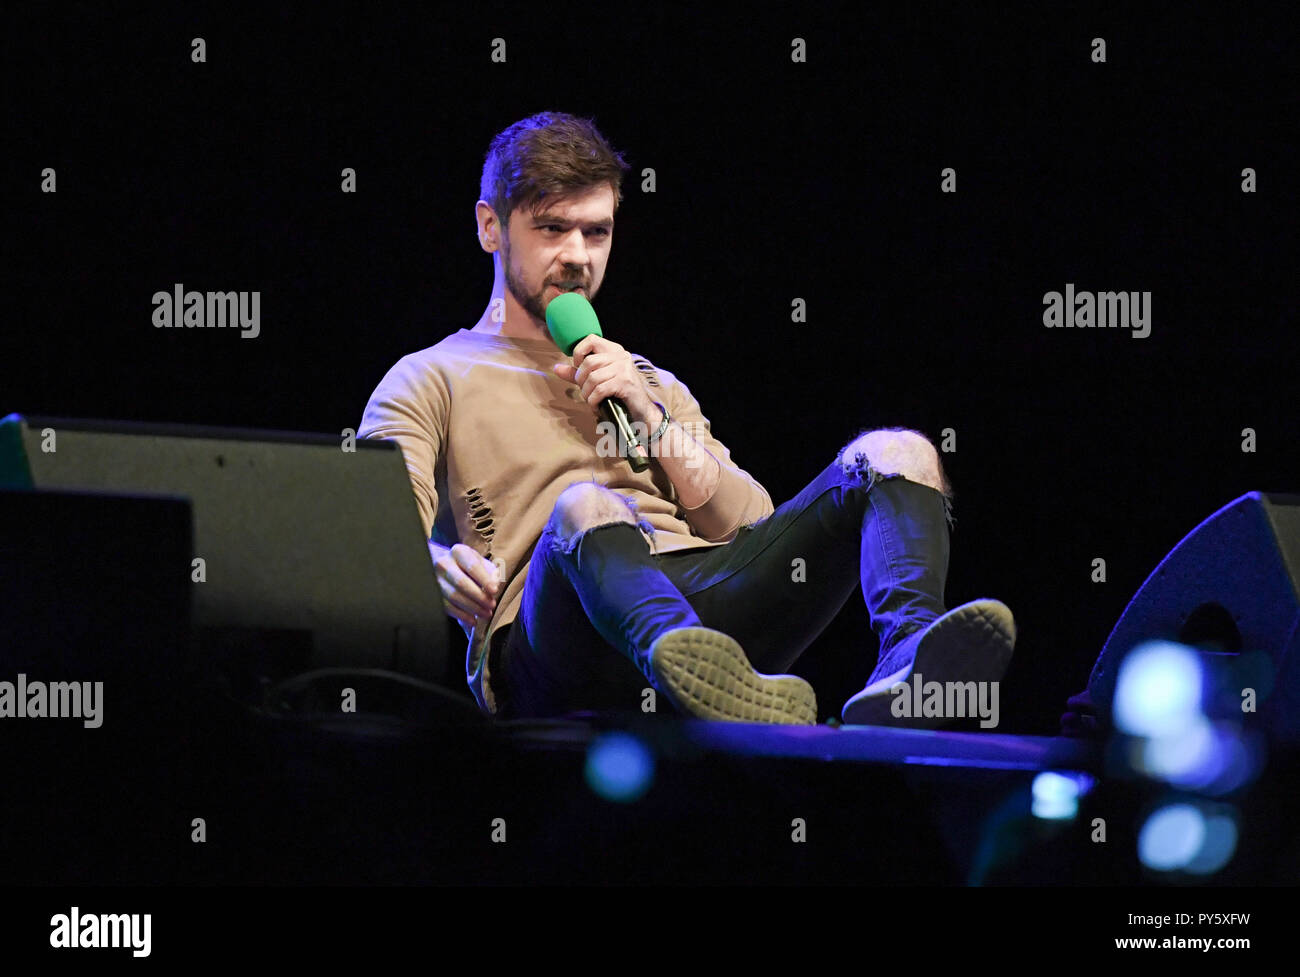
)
(615, 411)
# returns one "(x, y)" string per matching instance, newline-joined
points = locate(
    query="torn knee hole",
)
(568, 542)
(603, 513)
(859, 468)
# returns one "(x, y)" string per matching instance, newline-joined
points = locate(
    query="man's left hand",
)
(602, 368)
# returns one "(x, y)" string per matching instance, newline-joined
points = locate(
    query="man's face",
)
(566, 244)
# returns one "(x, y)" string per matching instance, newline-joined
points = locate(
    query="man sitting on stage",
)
(582, 584)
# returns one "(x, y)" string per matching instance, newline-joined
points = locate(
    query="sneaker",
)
(970, 643)
(704, 673)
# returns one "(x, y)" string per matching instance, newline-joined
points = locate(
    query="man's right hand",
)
(469, 583)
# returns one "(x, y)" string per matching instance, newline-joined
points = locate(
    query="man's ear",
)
(489, 227)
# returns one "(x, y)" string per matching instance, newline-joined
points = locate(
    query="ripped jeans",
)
(593, 604)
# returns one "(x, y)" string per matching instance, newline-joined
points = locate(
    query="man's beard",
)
(533, 303)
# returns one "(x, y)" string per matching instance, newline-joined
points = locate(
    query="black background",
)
(775, 180)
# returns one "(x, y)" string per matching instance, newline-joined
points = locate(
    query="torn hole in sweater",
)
(647, 371)
(480, 516)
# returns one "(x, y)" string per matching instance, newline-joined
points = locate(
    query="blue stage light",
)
(1218, 847)
(619, 767)
(1158, 690)
(1056, 796)
(1190, 756)
(1171, 837)
(1209, 758)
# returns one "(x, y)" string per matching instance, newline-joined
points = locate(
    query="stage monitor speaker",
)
(305, 556)
(1231, 586)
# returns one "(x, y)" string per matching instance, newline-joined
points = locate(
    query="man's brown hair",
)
(546, 157)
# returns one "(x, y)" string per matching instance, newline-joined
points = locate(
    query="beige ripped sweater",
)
(491, 437)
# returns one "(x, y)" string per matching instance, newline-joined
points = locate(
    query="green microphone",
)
(571, 319)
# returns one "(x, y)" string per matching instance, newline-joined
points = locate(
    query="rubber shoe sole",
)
(704, 673)
(971, 643)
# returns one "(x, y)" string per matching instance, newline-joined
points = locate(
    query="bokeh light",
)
(1188, 837)
(619, 767)
(1217, 848)
(1158, 689)
(1056, 795)
(1171, 837)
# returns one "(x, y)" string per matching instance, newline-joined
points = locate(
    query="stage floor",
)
(848, 744)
